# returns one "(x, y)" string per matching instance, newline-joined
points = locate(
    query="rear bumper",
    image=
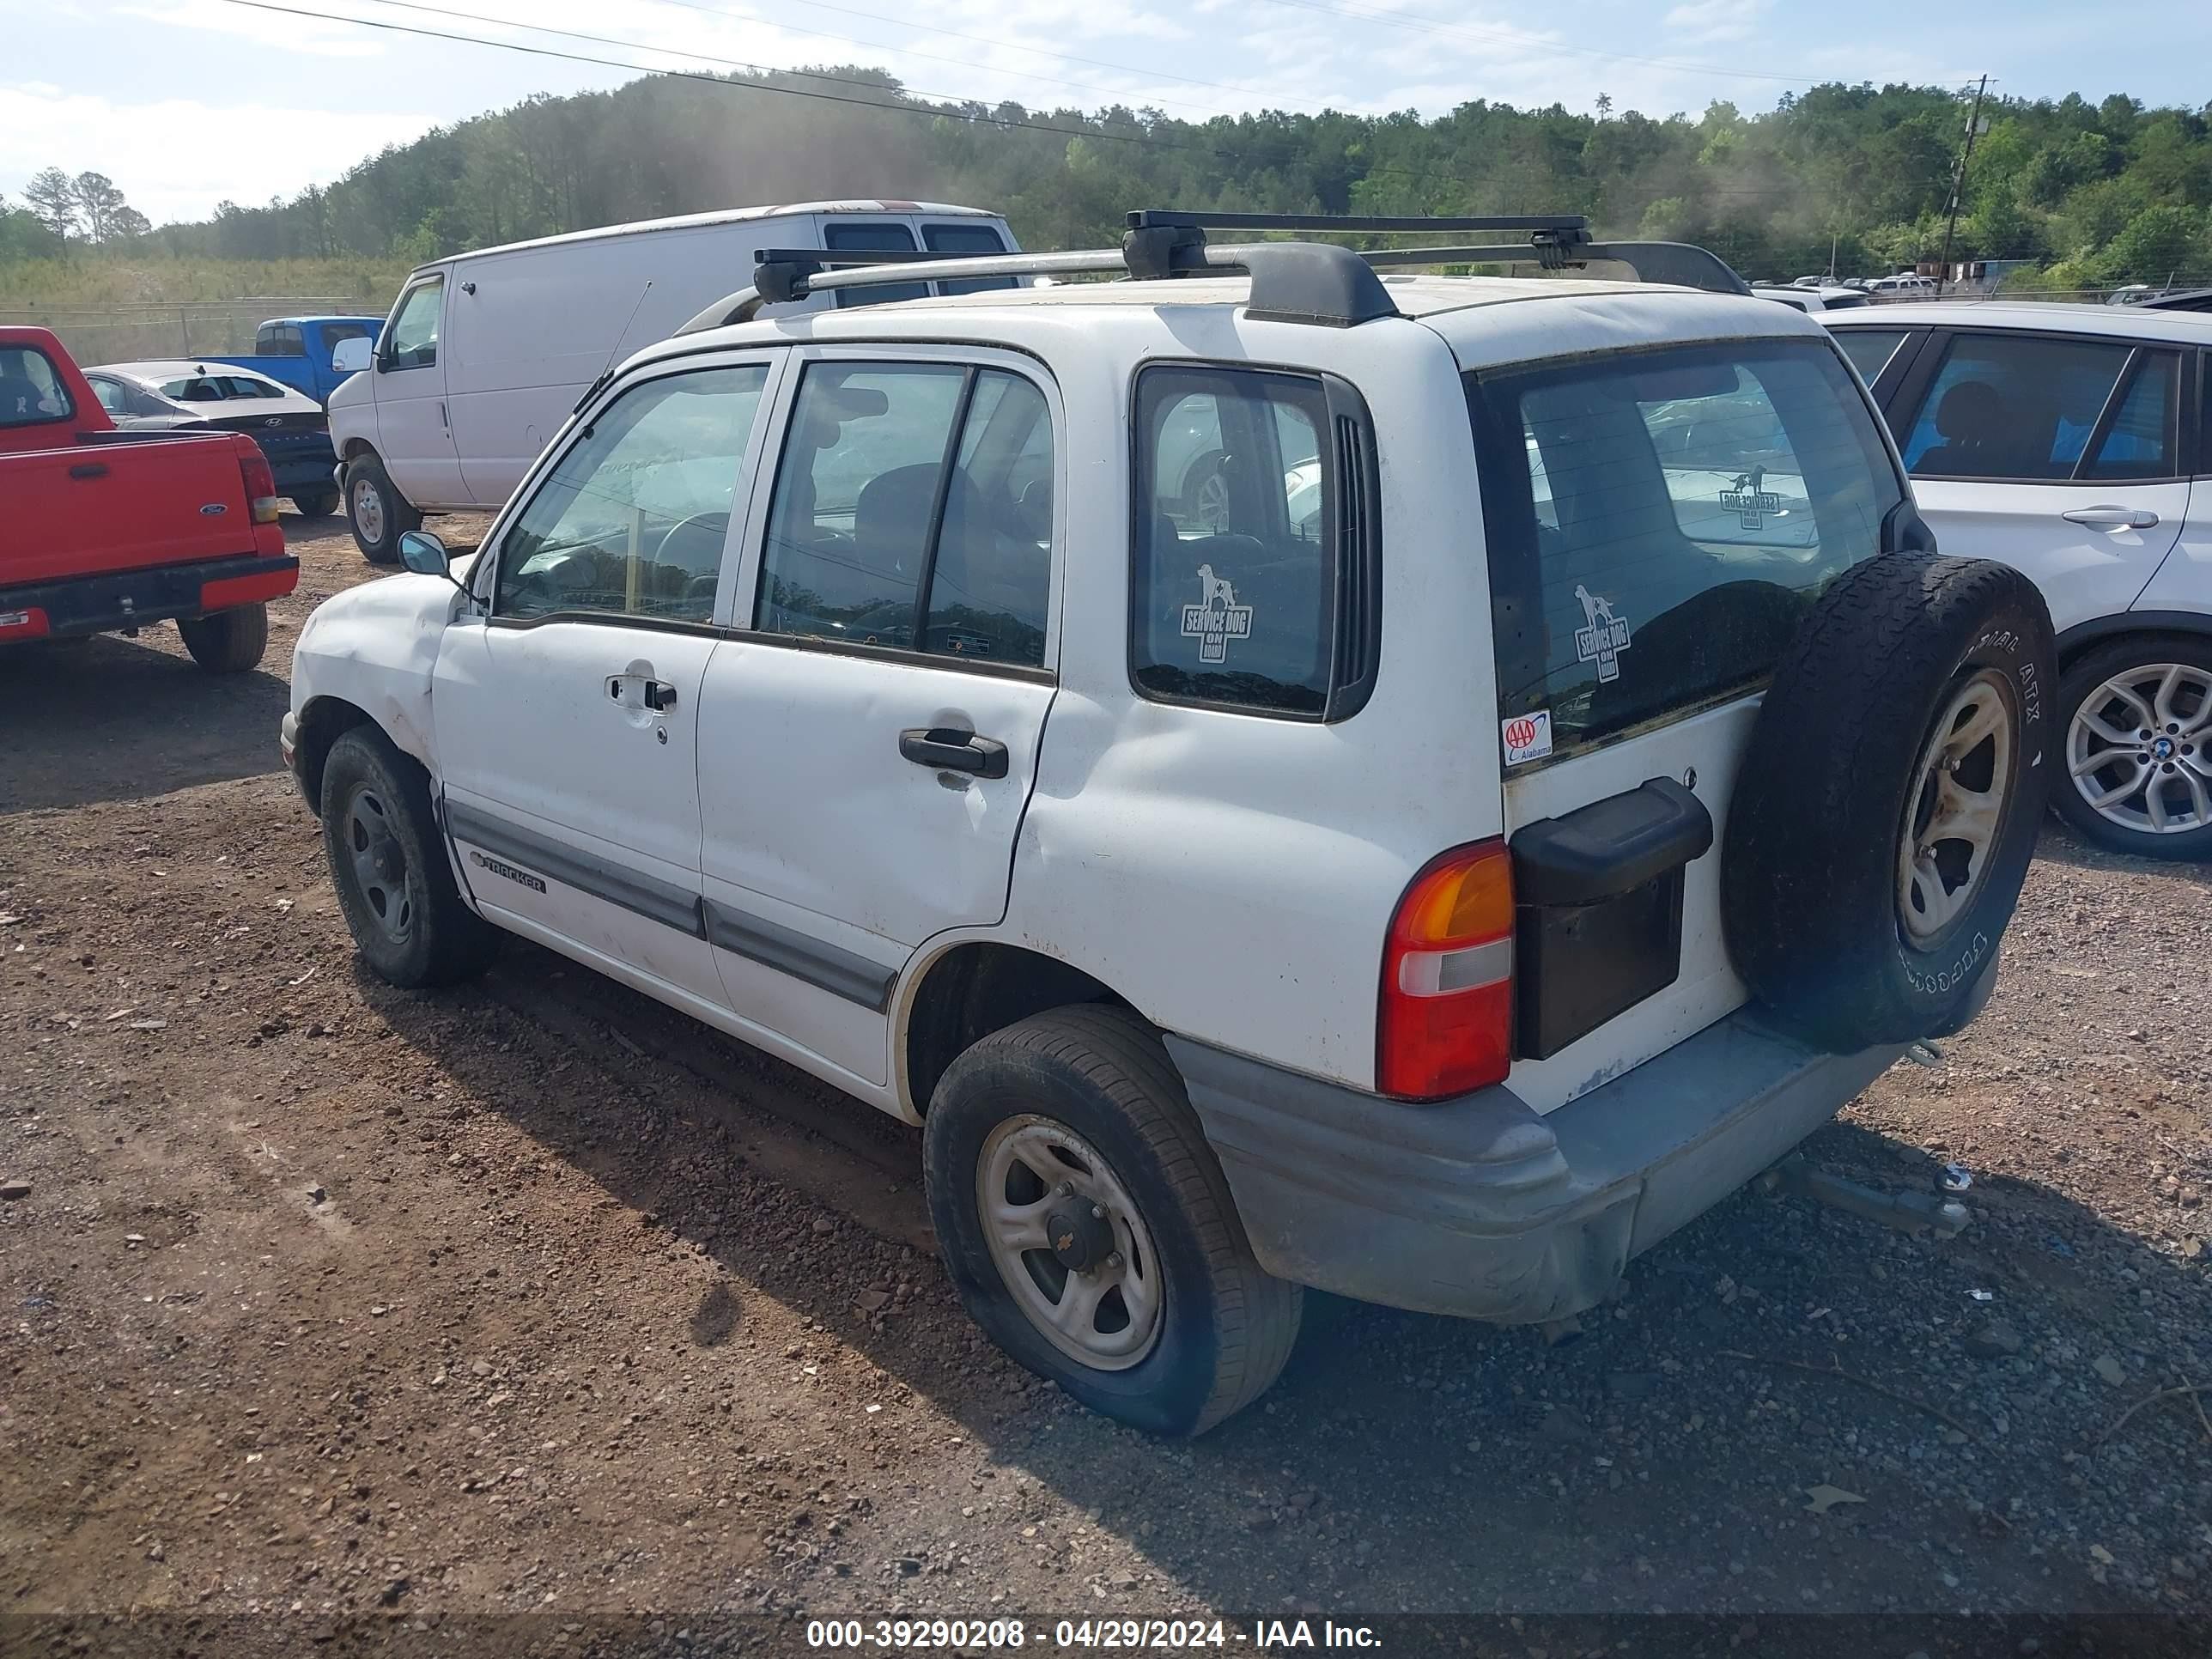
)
(112, 601)
(1479, 1207)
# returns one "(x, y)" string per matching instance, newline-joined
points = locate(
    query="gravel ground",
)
(377, 1310)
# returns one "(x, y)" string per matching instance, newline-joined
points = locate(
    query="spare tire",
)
(1889, 800)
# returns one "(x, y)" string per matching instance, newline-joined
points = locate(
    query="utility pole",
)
(1959, 185)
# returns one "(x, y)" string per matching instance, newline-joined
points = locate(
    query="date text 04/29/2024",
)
(1261, 1636)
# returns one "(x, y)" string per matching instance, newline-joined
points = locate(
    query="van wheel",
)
(1089, 1229)
(388, 865)
(226, 641)
(1887, 803)
(379, 513)
(2136, 753)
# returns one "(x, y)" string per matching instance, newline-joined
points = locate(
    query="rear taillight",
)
(1446, 1022)
(261, 486)
(22, 624)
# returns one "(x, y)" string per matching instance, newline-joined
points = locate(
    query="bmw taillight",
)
(1446, 1018)
(261, 486)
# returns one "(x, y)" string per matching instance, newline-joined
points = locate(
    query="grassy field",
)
(112, 310)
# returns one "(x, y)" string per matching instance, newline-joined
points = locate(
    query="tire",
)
(1845, 916)
(318, 504)
(388, 865)
(2169, 756)
(1097, 1076)
(226, 641)
(377, 512)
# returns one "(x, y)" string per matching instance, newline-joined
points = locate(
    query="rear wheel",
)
(388, 865)
(317, 503)
(378, 514)
(1089, 1230)
(226, 641)
(2136, 753)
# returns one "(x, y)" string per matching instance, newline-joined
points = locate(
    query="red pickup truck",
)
(103, 532)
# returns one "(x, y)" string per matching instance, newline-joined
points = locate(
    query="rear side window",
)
(283, 341)
(2039, 409)
(1253, 579)
(1870, 349)
(1659, 521)
(882, 235)
(31, 389)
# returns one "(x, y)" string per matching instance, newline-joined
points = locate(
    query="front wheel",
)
(226, 641)
(1089, 1230)
(378, 514)
(2136, 770)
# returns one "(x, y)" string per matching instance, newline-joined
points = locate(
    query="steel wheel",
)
(1067, 1239)
(368, 511)
(2136, 749)
(1957, 811)
(380, 864)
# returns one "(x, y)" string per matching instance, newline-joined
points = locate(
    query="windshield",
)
(30, 391)
(1659, 521)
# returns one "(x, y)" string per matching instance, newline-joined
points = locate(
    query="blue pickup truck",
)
(297, 350)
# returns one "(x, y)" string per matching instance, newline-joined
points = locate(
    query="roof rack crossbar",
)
(1160, 218)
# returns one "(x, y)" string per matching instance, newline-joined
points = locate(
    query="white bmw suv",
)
(1289, 777)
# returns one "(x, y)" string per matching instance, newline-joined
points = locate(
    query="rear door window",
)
(1658, 522)
(2038, 410)
(1870, 349)
(964, 238)
(881, 236)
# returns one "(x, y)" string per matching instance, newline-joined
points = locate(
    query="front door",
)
(568, 718)
(2054, 453)
(414, 428)
(868, 739)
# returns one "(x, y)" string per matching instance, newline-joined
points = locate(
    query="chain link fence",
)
(133, 333)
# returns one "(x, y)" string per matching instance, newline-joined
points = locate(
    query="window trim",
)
(61, 384)
(1911, 392)
(386, 363)
(1358, 533)
(972, 356)
(483, 578)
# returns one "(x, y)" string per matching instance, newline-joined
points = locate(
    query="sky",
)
(185, 103)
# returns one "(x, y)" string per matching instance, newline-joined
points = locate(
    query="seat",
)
(1970, 418)
(890, 519)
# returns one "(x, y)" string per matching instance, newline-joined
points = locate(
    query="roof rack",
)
(1316, 283)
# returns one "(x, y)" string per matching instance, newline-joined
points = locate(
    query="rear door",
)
(867, 743)
(1657, 523)
(2058, 454)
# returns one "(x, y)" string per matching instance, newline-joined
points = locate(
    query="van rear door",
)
(1658, 522)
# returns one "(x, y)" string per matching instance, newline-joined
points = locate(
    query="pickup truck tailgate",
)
(119, 501)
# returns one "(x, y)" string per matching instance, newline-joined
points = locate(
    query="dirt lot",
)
(377, 1310)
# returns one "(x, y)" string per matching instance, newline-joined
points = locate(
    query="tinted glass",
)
(632, 519)
(1658, 523)
(280, 342)
(966, 239)
(893, 238)
(2014, 406)
(2136, 444)
(1870, 349)
(413, 331)
(219, 388)
(1232, 589)
(993, 572)
(334, 333)
(31, 390)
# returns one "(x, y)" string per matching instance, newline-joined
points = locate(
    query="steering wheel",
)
(718, 522)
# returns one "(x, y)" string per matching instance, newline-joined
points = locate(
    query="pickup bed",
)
(296, 350)
(106, 532)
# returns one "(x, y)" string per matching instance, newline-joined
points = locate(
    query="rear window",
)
(966, 239)
(218, 388)
(1659, 521)
(31, 389)
(881, 236)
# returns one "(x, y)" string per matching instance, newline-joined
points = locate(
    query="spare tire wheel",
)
(1889, 800)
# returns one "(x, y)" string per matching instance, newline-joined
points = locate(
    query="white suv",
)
(1240, 757)
(2074, 442)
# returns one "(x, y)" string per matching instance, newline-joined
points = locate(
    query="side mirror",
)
(424, 554)
(350, 356)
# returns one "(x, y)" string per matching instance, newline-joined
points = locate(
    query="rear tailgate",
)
(124, 501)
(1658, 522)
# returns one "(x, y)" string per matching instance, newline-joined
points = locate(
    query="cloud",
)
(281, 30)
(1716, 19)
(176, 157)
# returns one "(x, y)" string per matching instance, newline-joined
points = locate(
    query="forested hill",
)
(2102, 192)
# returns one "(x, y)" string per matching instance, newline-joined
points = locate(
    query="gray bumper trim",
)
(1479, 1206)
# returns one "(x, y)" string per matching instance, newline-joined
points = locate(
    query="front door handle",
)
(658, 696)
(2113, 518)
(945, 749)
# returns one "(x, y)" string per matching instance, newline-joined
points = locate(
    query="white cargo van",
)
(486, 353)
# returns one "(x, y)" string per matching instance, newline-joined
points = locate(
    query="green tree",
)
(98, 202)
(53, 199)
(2158, 243)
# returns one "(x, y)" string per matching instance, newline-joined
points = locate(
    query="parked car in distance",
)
(301, 351)
(108, 531)
(1019, 710)
(289, 426)
(1815, 296)
(2184, 299)
(1904, 286)
(2073, 443)
(486, 353)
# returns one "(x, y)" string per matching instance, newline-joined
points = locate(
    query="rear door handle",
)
(945, 749)
(90, 470)
(658, 696)
(2113, 518)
